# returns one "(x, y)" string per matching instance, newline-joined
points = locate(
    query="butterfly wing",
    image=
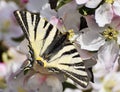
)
(68, 61)
(36, 30)
(46, 41)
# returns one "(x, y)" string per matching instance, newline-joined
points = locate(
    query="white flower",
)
(43, 83)
(100, 74)
(89, 3)
(105, 13)
(8, 27)
(105, 40)
(13, 61)
(111, 83)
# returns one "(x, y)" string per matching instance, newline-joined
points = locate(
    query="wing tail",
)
(76, 72)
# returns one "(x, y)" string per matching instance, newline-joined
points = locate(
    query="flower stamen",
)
(109, 1)
(110, 34)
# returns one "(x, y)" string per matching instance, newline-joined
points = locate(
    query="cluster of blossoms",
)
(96, 24)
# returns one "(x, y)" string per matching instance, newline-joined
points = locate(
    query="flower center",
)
(110, 34)
(109, 1)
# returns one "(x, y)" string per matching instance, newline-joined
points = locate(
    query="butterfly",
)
(50, 48)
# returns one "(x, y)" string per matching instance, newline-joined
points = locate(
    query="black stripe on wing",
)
(36, 19)
(21, 19)
(76, 56)
(24, 20)
(78, 78)
(56, 45)
(48, 30)
(70, 52)
(46, 22)
(74, 64)
(31, 57)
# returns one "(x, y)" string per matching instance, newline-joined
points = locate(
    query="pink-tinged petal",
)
(108, 54)
(69, 13)
(104, 14)
(93, 3)
(81, 1)
(54, 20)
(35, 81)
(115, 23)
(90, 40)
(116, 7)
(24, 1)
(44, 83)
(93, 26)
(3, 70)
(58, 23)
(47, 12)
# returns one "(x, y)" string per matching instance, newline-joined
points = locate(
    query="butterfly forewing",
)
(46, 41)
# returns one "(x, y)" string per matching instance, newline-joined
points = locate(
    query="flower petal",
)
(108, 54)
(81, 1)
(116, 7)
(56, 84)
(92, 3)
(104, 14)
(118, 39)
(3, 70)
(93, 26)
(37, 82)
(36, 5)
(47, 12)
(90, 40)
(115, 24)
(23, 47)
(70, 13)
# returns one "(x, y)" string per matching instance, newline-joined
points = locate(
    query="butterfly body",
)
(51, 49)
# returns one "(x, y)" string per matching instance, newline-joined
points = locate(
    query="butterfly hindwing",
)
(48, 43)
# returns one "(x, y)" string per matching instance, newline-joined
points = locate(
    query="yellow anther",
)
(110, 34)
(109, 1)
(71, 34)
